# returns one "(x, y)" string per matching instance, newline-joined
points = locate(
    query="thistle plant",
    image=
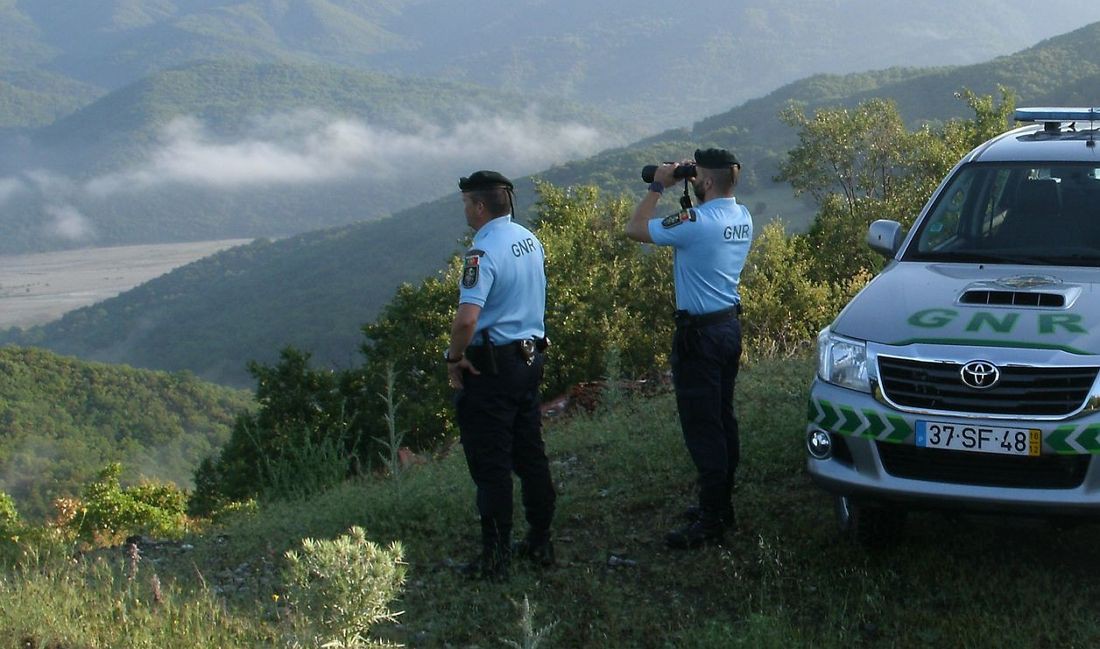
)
(340, 589)
(392, 444)
(613, 393)
(530, 638)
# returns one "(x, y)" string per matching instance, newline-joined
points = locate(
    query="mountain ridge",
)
(606, 55)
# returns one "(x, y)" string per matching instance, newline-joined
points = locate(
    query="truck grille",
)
(1020, 390)
(984, 469)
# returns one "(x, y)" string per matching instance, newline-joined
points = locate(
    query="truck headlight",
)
(842, 361)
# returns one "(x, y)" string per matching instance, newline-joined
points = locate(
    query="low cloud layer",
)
(9, 187)
(298, 149)
(66, 222)
(309, 147)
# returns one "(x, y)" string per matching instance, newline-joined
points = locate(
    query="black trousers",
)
(501, 433)
(705, 361)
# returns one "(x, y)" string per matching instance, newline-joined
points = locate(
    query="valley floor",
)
(40, 287)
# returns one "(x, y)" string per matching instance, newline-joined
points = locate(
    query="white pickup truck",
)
(965, 374)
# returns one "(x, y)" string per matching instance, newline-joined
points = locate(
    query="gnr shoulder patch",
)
(471, 268)
(672, 220)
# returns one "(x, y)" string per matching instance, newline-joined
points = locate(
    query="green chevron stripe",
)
(876, 424)
(1057, 439)
(813, 413)
(830, 415)
(902, 429)
(1087, 439)
(851, 422)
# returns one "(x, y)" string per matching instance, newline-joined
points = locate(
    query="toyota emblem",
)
(980, 375)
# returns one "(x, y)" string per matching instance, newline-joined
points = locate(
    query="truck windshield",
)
(1014, 214)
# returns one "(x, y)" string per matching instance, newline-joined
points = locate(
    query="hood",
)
(1038, 307)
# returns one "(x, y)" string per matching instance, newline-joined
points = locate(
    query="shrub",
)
(341, 588)
(9, 515)
(10, 529)
(785, 304)
(106, 512)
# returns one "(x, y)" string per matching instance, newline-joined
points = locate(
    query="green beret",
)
(715, 158)
(484, 180)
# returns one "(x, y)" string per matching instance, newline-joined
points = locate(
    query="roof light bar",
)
(1057, 114)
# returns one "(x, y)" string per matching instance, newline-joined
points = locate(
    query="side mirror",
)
(884, 237)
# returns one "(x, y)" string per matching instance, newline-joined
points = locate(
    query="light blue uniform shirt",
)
(504, 274)
(709, 244)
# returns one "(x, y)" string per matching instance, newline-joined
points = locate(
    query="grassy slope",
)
(783, 580)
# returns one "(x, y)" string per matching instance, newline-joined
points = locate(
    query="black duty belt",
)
(503, 350)
(486, 356)
(685, 319)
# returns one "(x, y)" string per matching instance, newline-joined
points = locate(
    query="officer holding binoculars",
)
(710, 243)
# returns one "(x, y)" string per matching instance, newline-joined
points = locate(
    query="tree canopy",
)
(62, 420)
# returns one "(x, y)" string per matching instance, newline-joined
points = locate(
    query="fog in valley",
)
(306, 150)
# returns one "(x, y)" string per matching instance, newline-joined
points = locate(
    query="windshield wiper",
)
(1079, 259)
(984, 257)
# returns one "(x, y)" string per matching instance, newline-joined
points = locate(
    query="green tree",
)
(605, 294)
(62, 419)
(785, 305)
(9, 515)
(863, 164)
(604, 291)
(303, 438)
(410, 336)
(859, 165)
(854, 153)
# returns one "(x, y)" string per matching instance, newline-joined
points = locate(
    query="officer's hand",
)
(691, 162)
(664, 174)
(455, 370)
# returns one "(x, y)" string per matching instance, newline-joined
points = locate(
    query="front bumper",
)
(875, 458)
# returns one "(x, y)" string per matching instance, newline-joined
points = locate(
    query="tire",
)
(874, 527)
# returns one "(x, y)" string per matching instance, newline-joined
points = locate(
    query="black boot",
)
(706, 529)
(536, 548)
(493, 564)
(727, 516)
(495, 561)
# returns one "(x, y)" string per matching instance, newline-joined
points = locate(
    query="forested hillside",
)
(62, 420)
(35, 98)
(331, 282)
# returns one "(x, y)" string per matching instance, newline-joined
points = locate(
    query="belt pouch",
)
(490, 353)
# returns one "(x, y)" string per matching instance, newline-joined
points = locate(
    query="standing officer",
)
(495, 361)
(710, 243)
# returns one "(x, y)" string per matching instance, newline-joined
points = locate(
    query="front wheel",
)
(873, 526)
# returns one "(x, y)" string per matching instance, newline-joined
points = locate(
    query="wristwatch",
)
(447, 357)
(656, 187)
